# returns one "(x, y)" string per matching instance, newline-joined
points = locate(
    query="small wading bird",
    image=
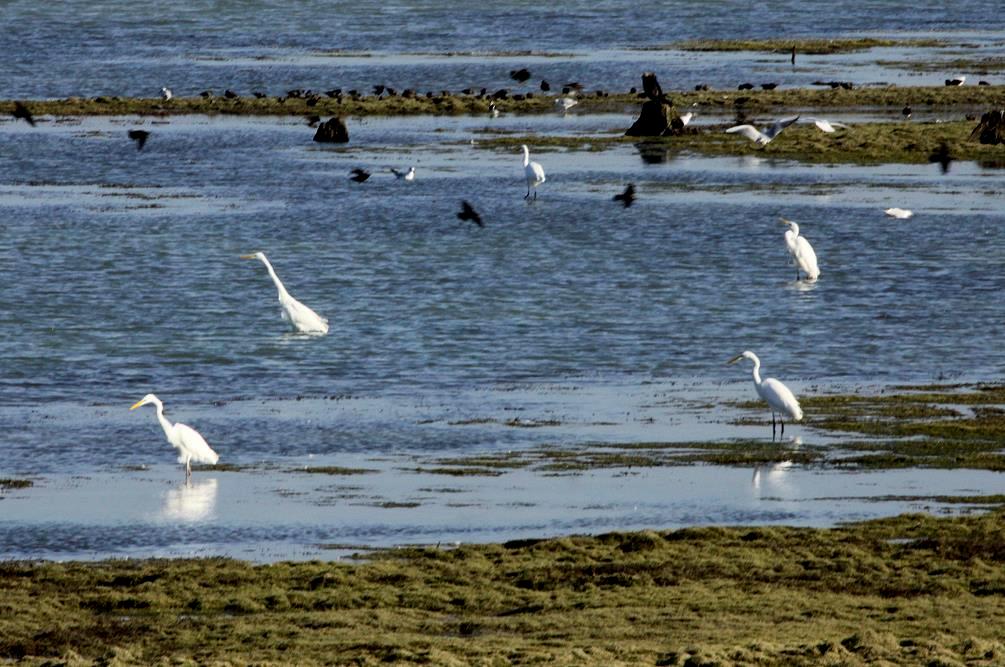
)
(566, 103)
(958, 81)
(801, 251)
(627, 197)
(468, 213)
(533, 172)
(140, 137)
(901, 213)
(763, 137)
(166, 94)
(405, 175)
(774, 393)
(21, 111)
(190, 445)
(300, 317)
(359, 175)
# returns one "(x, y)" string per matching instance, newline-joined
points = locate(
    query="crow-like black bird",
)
(359, 175)
(545, 86)
(230, 94)
(628, 196)
(21, 111)
(140, 137)
(745, 86)
(769, 86)
(469, 213)
(943, 156)
(519, 75)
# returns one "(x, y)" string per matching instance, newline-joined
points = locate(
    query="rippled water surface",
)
(121, 276)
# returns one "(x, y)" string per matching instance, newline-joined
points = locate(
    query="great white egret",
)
(188, 442)
(801, 251)
(773, 392)
(533, 171)
(302, 318)
(763, 137)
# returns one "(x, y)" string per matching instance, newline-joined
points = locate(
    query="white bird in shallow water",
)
(825, 125)
(801, 251)
(533, 171)
(166, 94)
(406, 175)
(687, 118)
(302, 318)
(774, 393)
(901, 213)
(566, 103)
(190, 445)
(763, 137)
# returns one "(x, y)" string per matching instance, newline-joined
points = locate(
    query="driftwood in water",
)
(333, 131)
(991, 129)
(658, 117)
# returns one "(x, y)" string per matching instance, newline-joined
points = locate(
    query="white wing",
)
(535, 172)
(902, 213)
(779, 125)
(193, 446)
(781, 399)
(303, 318)
(748, 131)
(806, 258)
(686, 118)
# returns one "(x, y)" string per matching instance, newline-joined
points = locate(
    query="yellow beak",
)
(138, 404)
(734, 359)
(248, 257)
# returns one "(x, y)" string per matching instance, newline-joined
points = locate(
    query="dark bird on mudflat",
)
(313, 120)
(140, 137)
(259, 94)
(545, 86)
(943, 156)
(572, 85)
(745, 86)
(469, 213)
(519, 75)
(982, 82)
(627, 197)
(958, 81)
(230, 94)
(378, 90)
(793, 54)
(769, 86)
(906, 112)
(359, 175)
(21, 111)
(701, 87)
(206, 94)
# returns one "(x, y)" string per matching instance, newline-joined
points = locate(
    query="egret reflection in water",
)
(190, 502)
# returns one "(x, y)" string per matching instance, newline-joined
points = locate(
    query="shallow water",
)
(121, 276)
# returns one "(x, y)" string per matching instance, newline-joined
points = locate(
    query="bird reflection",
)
(190, 502)
(774, 475)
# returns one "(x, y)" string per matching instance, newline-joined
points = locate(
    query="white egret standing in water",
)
(801, 251)
(774, 393)
(533, 171)
(188, 442)
(297, 314)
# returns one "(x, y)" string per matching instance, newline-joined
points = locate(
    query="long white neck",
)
(165, 424)
(526, 156)
(757, 371)
(794, 228)
(275, 278)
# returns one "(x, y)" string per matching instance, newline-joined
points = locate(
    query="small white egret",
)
(801, 251)
(566, 103)
(405, 175)
(533, 171)
(825, 125)
(901, 213)
(773, 392)
(166, 94)
(302, 318)
(763, 137)
(188, 442)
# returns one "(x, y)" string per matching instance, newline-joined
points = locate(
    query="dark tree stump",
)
(658, 117)
(332, 131)
(991, 129)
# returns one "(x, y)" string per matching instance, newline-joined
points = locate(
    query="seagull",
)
(493, 110)
(21, 111)
(359, 175)
(958, 81)
(801, 251)
(533, 171)
(901, 213)
(566, 103)
(825, 125)
(140, 137)
(763, 137)
(469, 213)
(626, 197)
(406, 175)
(687, 118)
(166, 94)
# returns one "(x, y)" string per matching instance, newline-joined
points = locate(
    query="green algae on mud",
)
(912, 589)
(8, 483)
(808, 46)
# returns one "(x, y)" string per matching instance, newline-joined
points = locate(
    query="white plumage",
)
(763, 137)
(825, 125)
(533, 172)
(773, 392)
(901, 213)
(566, 103)
(166, 94)
(190, 445)
(801, 251)
(302, 318)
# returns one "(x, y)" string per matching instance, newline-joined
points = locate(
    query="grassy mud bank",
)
(912, 589)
